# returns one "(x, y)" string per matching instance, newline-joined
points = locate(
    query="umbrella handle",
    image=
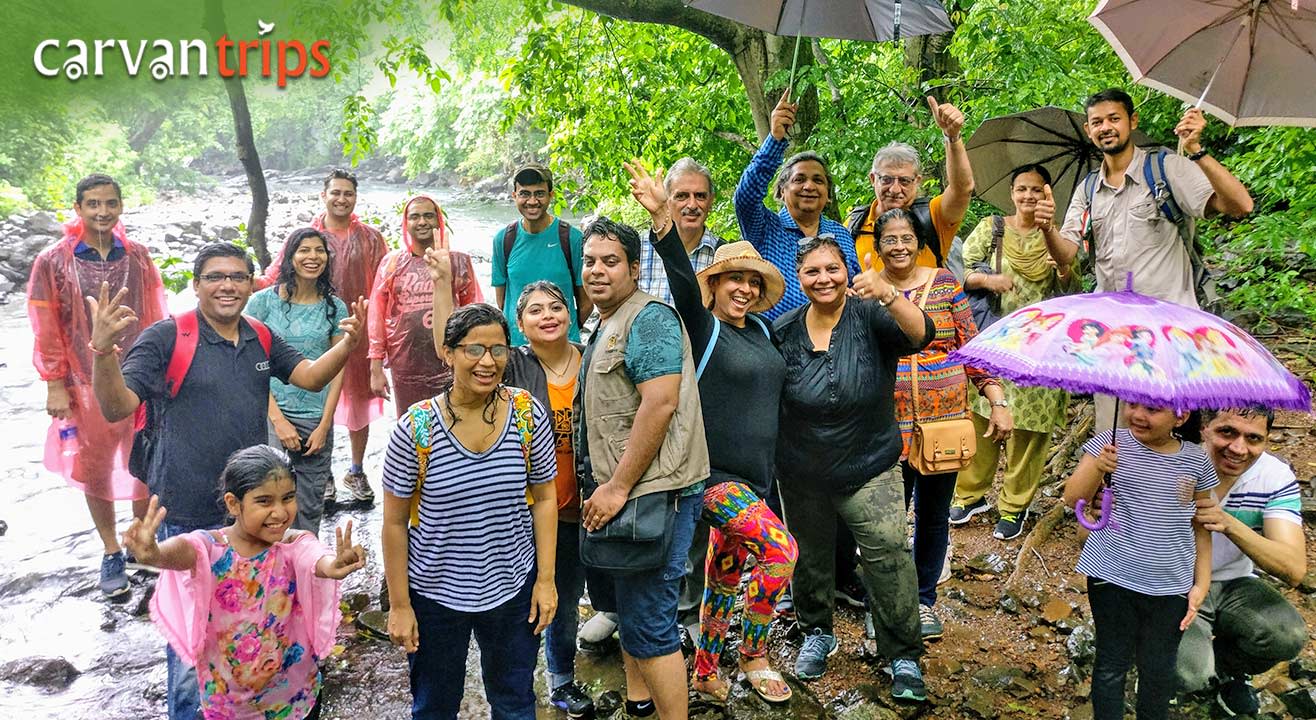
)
(1107, 498)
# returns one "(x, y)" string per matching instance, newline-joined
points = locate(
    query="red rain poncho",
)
(402, 318)
(356, 253)
(61, 324)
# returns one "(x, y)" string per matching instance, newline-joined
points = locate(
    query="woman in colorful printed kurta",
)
(1028, 274)
(942, 393)
(254, 606)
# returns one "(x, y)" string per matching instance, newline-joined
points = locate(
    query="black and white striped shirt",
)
(1153, 549)
(475, 543)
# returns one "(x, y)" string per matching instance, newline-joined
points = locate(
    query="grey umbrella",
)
(872, 20)
(1049, 136)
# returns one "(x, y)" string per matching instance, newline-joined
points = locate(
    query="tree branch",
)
(821, 57)
(738, 139)
(721, 31)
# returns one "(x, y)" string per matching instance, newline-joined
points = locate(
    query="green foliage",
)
(12, 199)
(1268, 266)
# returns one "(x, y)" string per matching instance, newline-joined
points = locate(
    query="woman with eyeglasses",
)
(837, 454)
(942, 390)
(470, 527)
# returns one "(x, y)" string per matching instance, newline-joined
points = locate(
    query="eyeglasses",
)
(237, 278)
(538, 194)
(476, 351)
(894, 240)
(904, 180)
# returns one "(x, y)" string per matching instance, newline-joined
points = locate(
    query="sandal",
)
(758, 681)
(717, 697)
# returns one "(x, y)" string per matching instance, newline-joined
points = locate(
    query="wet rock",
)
(1081, 645)
(608, 703)
(1009, 604)
(943, 666)
(1056, 610)
(143, 607)
(45, 223)
(1281, 685)
(50, 674)
(1082, 712)
(1068, 625)
(988, 564)
(955, 594)
(1303, 668)
(1270, 705)
(356, 602)
(981, 704)
(109, 623)
(1308, 584)
(1301, 703)
(1042, 634)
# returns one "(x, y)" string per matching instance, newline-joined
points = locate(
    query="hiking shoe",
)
(907, 681)
(786, 605)
(960, 514)
(573, 699)
(1010, 526)
(852, 593)
(1236, 697)
(114, 576)
(929, 625)
(359, 488)
(330, 493)
(812, 660)
(945, 566)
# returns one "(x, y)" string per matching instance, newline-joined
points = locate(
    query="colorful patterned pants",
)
(742, 525)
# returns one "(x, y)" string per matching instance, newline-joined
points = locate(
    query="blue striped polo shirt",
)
(1153, 549)
(475, 543)
(1266, 491)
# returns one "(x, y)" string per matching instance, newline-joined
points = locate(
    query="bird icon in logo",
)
(264, 28)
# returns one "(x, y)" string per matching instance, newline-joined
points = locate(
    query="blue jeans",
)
(560, 638)
(508, 651)
(932, 495)
(645, 602)
(183, 698)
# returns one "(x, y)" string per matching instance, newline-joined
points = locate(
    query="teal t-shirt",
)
(534, 257)
(306, 328)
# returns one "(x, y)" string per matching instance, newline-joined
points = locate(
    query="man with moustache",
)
(1244, 627)
(690, 197)
(356, 249)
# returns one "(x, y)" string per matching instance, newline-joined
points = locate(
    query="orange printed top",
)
(568, 494)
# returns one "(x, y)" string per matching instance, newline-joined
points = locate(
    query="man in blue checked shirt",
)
(690, 196)
(804, 188)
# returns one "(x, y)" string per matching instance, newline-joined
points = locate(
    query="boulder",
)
(1301, 703)
(1082, 645)
(1056, 610)
(45, 223)
(50, 674)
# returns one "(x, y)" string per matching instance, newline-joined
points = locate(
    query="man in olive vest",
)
(640, 433)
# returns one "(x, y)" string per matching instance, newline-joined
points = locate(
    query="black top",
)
(740, 390)
(524, 371)
(220, 409)
(838, 424)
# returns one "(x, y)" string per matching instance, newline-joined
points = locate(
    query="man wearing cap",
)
(689, 187)
(537, 247)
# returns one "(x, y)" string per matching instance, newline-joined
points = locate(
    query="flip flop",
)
(758, 680)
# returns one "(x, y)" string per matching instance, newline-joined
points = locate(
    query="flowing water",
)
(50, 555)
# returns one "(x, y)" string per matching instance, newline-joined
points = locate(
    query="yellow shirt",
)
(863, 240)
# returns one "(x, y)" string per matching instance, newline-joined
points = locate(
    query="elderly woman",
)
(1028, 273)
(740, 380)
(476, 557)
(941, 391)
(838, 454)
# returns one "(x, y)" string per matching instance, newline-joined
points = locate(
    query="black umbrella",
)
(1049, 136)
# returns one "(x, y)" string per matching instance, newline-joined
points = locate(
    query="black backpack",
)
(924, 228)
(563, 240)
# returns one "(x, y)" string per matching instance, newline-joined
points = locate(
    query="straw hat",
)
(741, 255)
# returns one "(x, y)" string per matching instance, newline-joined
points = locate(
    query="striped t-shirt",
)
(1153, 549)
(1266, 491)
(475, 543)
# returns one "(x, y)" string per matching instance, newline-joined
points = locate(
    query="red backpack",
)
(187, 335)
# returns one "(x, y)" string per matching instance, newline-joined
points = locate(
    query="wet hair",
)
(460, 324)
(686, 166)
(1110, 95)
(251, 467)
(1209, 415)
(783, 177)
(324, 285)
(96, 180)
(808, 244)
(545, 286)
(213, 250)
(340, 174)
(530, 175)
(1030, 168)
(625, 234)
(898, 153)
(893, 215)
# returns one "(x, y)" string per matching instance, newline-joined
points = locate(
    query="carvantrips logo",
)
(282, 59)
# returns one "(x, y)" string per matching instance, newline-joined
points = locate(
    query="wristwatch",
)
(1001, 403)
(1197, 155)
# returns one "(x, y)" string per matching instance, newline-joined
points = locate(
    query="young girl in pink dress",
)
(253, 606)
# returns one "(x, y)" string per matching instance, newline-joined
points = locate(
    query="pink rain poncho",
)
(402, 318)
(356, 253)
(61, 324)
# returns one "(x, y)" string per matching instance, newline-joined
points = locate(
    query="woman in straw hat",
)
(740, 379)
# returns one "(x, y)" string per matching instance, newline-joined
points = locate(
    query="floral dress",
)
(255, 628)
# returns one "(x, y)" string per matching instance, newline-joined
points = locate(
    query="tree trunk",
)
(246, 145)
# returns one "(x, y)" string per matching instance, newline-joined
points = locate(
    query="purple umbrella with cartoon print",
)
(1138, 349)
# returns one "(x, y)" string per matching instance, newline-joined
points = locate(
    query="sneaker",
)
(130, 563)
(929, 625)
(330, 493)
(359, 488)
(598, 628)
(945, 565)
(907, 681)
(114, 576)
(852, 593)
(960, 514)
(786, 605)
(1010, 526)
(1236, 697)
(812, 661)
(573, 699)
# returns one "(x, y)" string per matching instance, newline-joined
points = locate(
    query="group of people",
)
(742, 408)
